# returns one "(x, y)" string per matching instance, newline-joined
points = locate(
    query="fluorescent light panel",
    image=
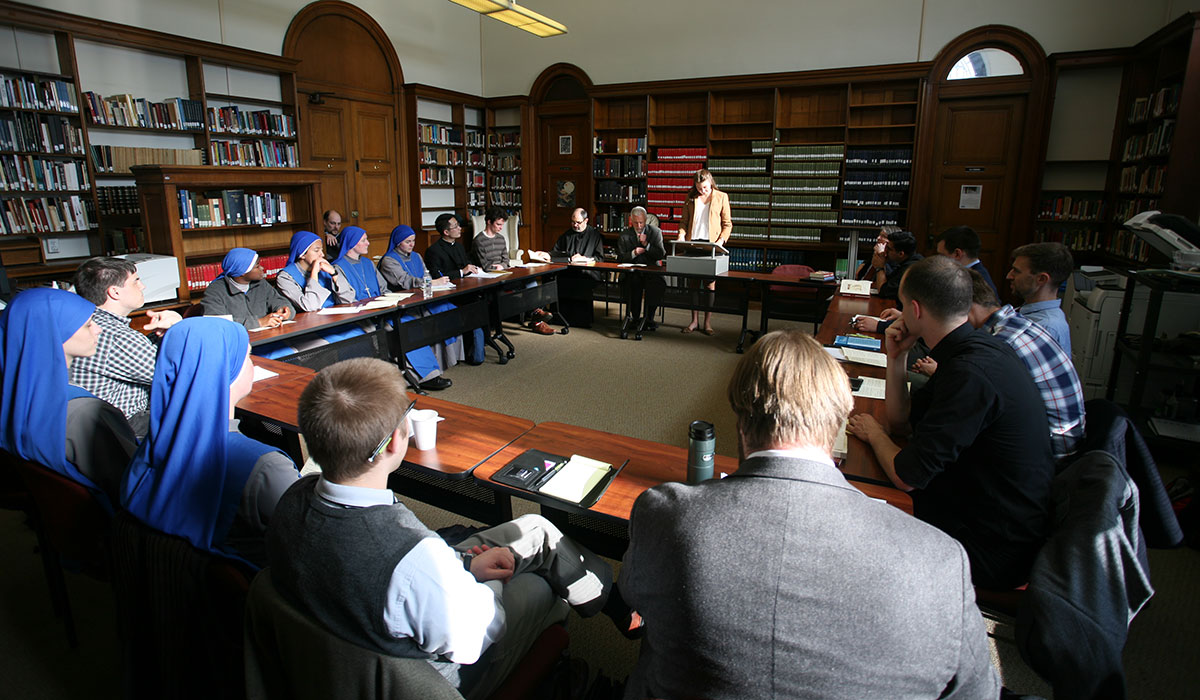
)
(514, 15)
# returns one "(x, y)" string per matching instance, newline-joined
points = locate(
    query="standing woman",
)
(705, 218)
(43, 418)
(195, 476)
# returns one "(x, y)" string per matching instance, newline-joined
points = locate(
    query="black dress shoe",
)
(436, 384)
(650, 326)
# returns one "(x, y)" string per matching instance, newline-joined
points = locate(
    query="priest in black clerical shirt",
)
(446, 257)
(580, 244)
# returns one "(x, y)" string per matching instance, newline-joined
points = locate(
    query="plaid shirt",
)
(1052, 371)
(121, 370)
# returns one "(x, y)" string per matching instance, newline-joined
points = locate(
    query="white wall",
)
(633, 40)
(436, 43)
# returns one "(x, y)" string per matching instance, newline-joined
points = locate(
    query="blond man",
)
(782, 580)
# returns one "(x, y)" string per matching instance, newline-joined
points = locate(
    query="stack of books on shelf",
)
(820, 218)
(506, 200)
(232, 208)
(612, 191)
(130, 239)
(823, 152)
(41, 174)
(200, 276)
(877, 179)
(1126, 244)
(1136, 180)
(28, 92)
(774, 258)
(504, 139)
(496, 162)
(1072, 207)
(750, 216)
(872, 198)
(118, 200)
(1126, 209)
(1162, 102)
(475, 139)
(744, 232)
(761, 200)
(23, 215)
(803, 201)
(261, 122)
(670, 179)
(746, 259)
(436, 176)
(127, 110)
(813, 185)
(624, 166)
(441, 135)
(1077, 239)
(476, 159)
(623, 145)
(766, 147)
(476, 179)
(257, 154)
(48, 134)
(1155, 143)
(737, 165)
(511, 183)
(879, 156)
(796, 235)
(118, 159)
(430, 155)
(736, 183)
(785, 168)
(870, 217)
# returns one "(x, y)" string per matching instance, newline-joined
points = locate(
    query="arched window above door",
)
(985, 63)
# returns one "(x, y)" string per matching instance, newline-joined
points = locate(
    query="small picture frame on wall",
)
(565, 145)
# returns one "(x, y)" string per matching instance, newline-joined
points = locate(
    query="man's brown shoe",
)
(543, 328)
(541, 314)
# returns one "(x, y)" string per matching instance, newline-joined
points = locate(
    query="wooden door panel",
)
(567, 182)
(373, 133)
(325, 128)
(978, 135)
(375, 176)
(377, 200)
(326, 145)
(335, 194)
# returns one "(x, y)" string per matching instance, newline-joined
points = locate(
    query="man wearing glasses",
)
(579, 245)
(354, 558)
(446, 257)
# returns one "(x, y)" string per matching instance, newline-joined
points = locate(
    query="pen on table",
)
(544, 478)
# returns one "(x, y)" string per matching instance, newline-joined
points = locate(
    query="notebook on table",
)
(575, 479)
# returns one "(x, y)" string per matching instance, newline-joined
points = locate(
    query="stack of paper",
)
(841, 445)
(865, 357)
(575, 480)
(261, 374)
(872, 388)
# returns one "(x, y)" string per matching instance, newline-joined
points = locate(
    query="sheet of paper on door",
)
(970, 196)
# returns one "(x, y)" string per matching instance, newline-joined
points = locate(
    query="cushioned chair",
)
(70, 524)
(179, 614)
(291, 657)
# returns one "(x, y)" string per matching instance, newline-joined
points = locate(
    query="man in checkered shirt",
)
(1050, 365)
(121, 370)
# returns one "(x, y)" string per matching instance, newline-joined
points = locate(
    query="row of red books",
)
(674, 168)
(682, 154)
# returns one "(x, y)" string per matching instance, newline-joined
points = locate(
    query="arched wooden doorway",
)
(982, 126)
(562, 150)
(349, 80)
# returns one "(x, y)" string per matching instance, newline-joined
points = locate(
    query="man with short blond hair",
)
(836, 595)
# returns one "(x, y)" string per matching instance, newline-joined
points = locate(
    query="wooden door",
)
(565, 144)
(976, 163)
(327, 145)
(375, 175)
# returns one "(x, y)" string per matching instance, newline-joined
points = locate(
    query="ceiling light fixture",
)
(513, 14)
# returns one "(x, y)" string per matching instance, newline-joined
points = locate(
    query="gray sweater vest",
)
(334, 563)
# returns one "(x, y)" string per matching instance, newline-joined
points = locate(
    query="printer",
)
(160, 274)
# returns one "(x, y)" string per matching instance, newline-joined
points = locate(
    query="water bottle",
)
(427, 285)
(702, 442)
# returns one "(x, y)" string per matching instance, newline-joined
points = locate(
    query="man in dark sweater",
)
(579, 245)
(349, 555)
(978, 453)
(490, 246)
(446, 257)
(641, 244)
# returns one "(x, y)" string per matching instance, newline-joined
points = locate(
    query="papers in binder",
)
(864, 357)
(576, 478)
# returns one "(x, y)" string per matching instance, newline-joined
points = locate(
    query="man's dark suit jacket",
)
(782, 580)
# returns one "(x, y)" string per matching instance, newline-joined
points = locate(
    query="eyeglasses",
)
(388, 438)
(582, 221)
(452, 227)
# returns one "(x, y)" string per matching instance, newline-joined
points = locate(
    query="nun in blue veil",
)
(312, 284)
(354, 263)
(403, 268)
(195, 476)
(43, 418)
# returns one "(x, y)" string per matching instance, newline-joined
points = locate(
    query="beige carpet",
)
(650, 389)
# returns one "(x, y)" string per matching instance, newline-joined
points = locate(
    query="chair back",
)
(789, 291)
(278, 636)
(72, 520)
(194, 310)
(179, 613)
(1087, 582)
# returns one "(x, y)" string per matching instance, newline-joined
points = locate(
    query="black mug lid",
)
(701, 430)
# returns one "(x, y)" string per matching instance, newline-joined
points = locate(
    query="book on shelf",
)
(505, 199)
(798, 185)
(664, 214)
(41, 133)
(260, 122)
(258, 154)
(1126, 209)
(498, 162)
(733, 183)
(879, 156)
(32, 215)
(129, 239)
(436, 176)
(796, 235)
(433, 155)
(232, 208)
(737, 165)
(819, 218)
(872, 198)
(1142, 180)
(807, 168)
(1155, 143)
(1126, 244)
(504, 139)
(609, 191)
(692, 154)
(823, 152)
(30, 92)
(127, 110)
(669, 184)
(474, 139)
(765, 146)
(438, 134)
(506, 182)
(42, 174)
(749, 199)
(876, 178)
(623, 166)
(1073, 207)
(1077, 239)
(801, 201)
(869, 217)
(748, 232)
(118, 159)
(674, 168)
(619, 145)
(666, 199)
(200, 276)
(118, 200)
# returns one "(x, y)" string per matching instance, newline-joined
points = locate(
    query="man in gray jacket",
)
(782, 580)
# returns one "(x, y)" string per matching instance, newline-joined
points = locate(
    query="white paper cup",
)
(424, 428)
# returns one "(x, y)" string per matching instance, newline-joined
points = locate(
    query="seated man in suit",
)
(1048, 364)
(641, 244)
(834, 595)
(962, 244)
(121, 370)
(1038, 270)
(446, 257)
(978, 458)
(348, 554)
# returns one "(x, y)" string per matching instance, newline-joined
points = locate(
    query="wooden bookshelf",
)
(505, 156)
(109, 232)
(158, 190)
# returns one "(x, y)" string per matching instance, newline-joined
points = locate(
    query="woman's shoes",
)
(708, 331)
(687, 329)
